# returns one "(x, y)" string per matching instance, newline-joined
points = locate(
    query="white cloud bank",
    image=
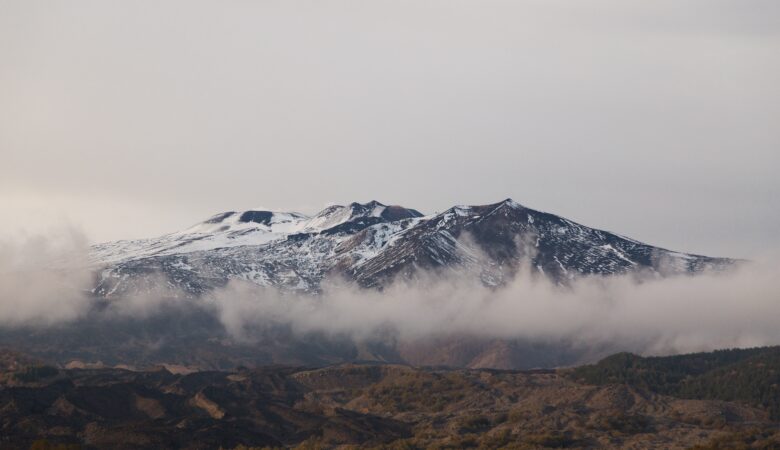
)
(736, 308)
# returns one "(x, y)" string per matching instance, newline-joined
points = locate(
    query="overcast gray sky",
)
(656, 119)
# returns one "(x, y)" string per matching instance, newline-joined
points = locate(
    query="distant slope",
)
(748, 375)
(371, 244)
(366, 244)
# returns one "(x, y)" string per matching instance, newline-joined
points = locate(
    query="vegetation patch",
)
(746, 375)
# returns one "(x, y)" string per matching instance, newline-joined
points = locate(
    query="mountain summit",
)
(372, 244)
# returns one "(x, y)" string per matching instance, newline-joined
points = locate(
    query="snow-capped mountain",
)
(371, 244)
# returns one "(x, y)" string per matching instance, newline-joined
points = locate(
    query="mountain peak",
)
(508, 202)
(369, 204)
(257, 216)
(338, 217)
(263, 217)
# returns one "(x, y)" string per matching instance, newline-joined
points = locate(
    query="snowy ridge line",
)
(372, 243)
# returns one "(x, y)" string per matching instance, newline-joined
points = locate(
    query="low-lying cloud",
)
(45, 280)
(735, 308)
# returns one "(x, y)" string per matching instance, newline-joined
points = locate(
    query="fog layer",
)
(737, 308)
(44, 280)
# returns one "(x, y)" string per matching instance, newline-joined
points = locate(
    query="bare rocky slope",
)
(362, 406)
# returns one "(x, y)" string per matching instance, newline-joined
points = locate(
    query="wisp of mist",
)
(45, 280)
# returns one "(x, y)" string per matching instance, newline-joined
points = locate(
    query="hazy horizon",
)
(655, 120)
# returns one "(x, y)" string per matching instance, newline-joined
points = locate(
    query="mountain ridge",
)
(372, 244)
